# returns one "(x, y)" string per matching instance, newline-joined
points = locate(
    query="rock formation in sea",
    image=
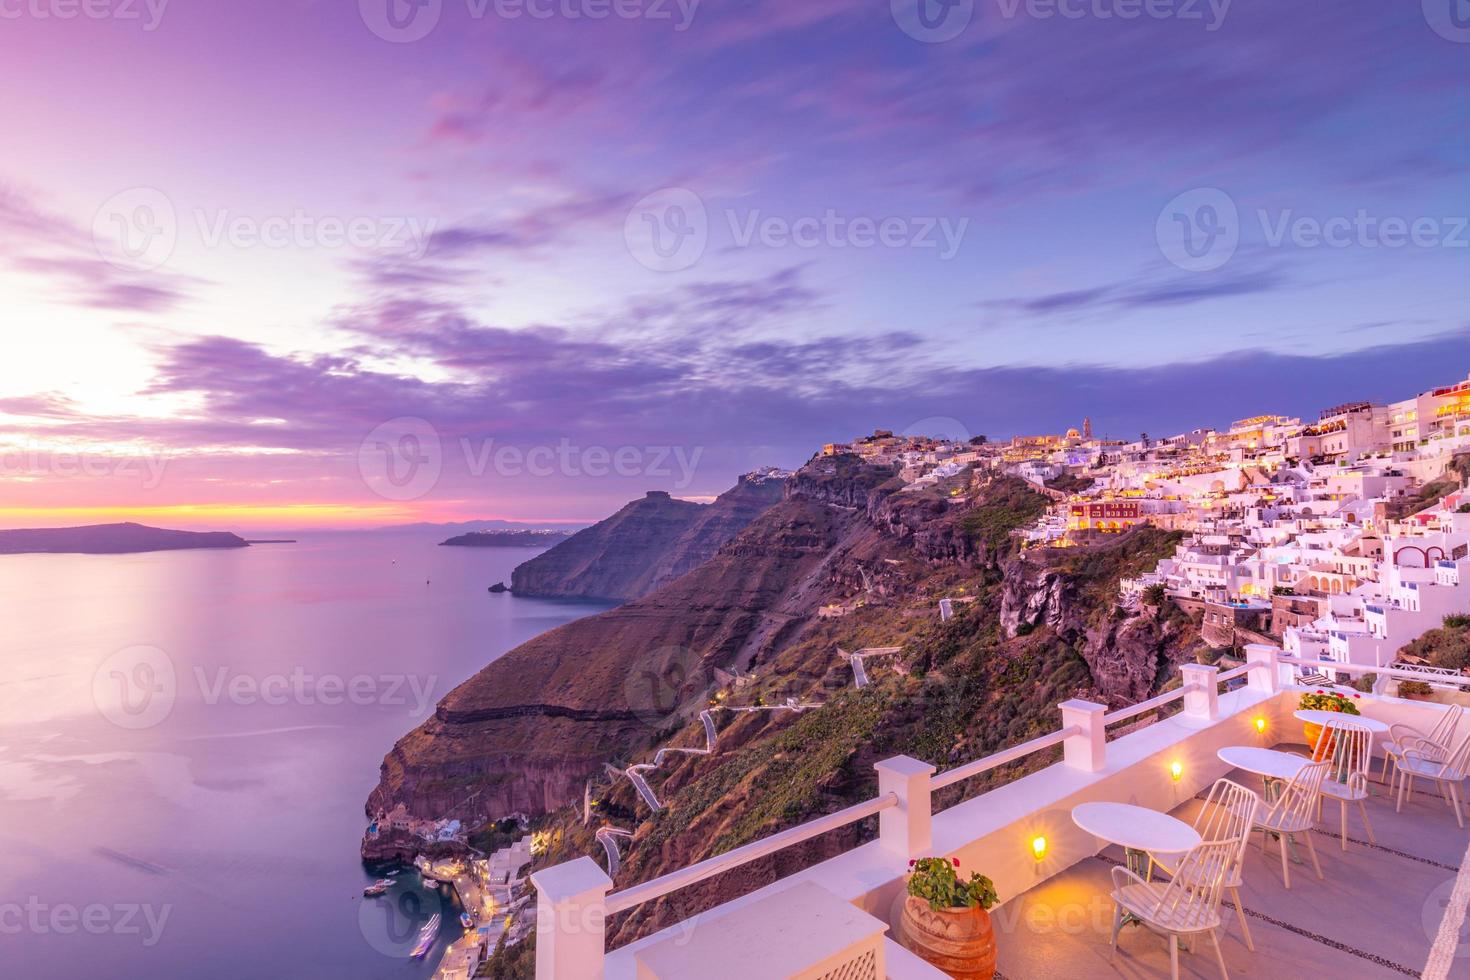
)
(111, 539)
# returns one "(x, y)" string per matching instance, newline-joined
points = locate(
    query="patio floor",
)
(1377, 914)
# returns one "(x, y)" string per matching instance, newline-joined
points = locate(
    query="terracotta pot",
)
(960, 942)
(1314, 732)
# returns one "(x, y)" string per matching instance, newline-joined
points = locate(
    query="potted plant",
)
(1325, 701)
(946, 920)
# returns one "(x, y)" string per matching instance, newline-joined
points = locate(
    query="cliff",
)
(111, 539)
(644, 546)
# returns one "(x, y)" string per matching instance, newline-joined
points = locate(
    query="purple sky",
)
(284, 263)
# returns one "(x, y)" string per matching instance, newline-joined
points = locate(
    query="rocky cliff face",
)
(644, 546)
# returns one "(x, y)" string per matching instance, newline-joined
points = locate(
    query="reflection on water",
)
(187, 739)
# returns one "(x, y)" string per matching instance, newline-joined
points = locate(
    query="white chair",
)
(1293, 814)
(1402, 737)
(1447, 772)
(1228, 814)
(1347, 748)
(1185, 905)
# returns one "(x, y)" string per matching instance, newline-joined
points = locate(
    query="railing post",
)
(571, 926)
(1088, 751)
(1265, 672)
(906, 829)
(1201, 691)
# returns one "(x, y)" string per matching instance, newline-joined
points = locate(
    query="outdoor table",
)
(1139, 831)
(1314, 717)
(1275, 767)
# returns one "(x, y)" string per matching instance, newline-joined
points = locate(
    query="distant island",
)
(111, 539)
(508, 539)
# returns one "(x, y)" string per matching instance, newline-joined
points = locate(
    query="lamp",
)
(1038, 847)
(1176, 769)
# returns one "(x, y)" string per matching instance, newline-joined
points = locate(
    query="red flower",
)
(1358, 697)
(912, 863)
(956, 862)
(1321, 692)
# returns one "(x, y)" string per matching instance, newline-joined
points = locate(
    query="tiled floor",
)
(1376, 914)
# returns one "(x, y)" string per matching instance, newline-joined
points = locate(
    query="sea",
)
(187, 740)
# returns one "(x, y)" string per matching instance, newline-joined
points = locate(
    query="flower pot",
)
(960, 942)
(1314, 732)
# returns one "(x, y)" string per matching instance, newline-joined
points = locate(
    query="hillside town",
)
(1339, 539)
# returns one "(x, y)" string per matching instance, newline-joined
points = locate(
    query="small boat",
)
(426, 936)
(430, 883)
(465, 920)
(377, 888)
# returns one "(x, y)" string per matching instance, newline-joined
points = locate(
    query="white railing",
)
(574, 901)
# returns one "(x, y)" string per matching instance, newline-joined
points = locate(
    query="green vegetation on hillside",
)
(1008, 505)
(1447, 647)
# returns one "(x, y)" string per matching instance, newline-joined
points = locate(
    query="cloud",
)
(1146, 291)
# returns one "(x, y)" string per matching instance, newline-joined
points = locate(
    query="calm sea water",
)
(187, 739)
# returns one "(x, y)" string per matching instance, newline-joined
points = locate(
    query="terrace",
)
(1396, 907)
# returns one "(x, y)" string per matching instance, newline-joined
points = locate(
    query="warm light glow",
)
(1260, 724)
(1038, 847)
(1176, 770)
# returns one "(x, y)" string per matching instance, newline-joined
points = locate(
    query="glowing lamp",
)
(1176, 770)
(1038, 847)
(1260, 724)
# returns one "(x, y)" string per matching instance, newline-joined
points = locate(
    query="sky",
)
(300, 263)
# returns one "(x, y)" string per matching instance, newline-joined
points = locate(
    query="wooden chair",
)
(1293, 814)
(1228, 814)
(1186, 905)
(1347, 748)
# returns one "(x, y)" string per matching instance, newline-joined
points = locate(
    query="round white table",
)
(1138, 830)
(1314, 717)
(1263, 762)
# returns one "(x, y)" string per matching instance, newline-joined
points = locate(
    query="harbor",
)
(485, 890)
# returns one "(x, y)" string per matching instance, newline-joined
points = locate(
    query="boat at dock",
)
(465, 920)
(377, 888)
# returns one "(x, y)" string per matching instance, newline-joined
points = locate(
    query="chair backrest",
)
(1444, 729)
(1297, 805)
(1228, 813)
(1192, 896)
(1347, 748)
(1457, 765)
